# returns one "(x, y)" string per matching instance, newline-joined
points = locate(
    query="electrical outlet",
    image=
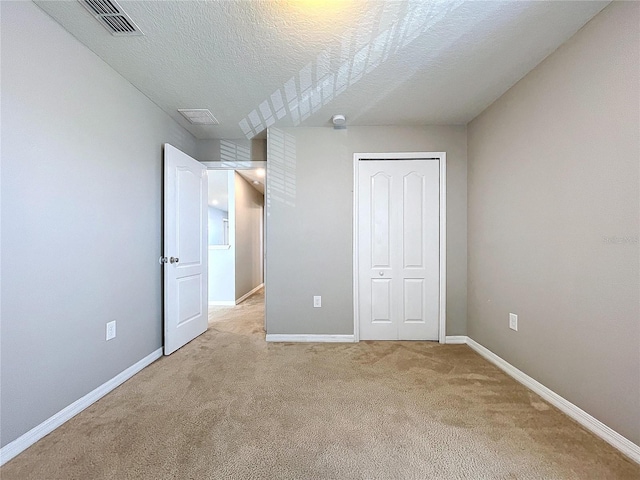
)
(317, 301)
(513, 321)
(111, 330)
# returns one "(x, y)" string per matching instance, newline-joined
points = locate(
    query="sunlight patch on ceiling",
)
(362, 51)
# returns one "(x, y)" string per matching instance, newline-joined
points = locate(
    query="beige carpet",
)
(228, 405)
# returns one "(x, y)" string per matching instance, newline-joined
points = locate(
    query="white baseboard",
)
(248, 294)
(23, 442)
(592, 424)
(229, 303)
(311, 338)
(455, 339)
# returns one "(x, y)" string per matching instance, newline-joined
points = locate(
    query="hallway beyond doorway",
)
(246, 318)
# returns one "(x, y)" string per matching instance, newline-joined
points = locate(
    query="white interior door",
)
(398, 245)
(185, 249)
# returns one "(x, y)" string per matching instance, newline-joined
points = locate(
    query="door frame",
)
(441, 157)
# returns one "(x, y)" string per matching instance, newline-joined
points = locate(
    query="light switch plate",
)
(513, 321)
(317, 301)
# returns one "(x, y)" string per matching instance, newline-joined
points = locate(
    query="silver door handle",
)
(381, 274)
(174, 259)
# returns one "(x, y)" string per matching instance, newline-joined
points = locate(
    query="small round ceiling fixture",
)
(339, 121)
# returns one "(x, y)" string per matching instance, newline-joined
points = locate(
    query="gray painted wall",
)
(232, 150)
(248, 252)
(208, 150)
(216, 228)
(81, 219)
(228, 150)
(259, 149)
(554, 221)
(309, 247)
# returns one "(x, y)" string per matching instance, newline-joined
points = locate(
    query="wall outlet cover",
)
(111, 330)
(317, 301)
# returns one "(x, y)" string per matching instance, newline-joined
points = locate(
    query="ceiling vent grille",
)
(112, 17)
(199, 116)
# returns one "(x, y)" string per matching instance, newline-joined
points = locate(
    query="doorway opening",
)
(236, 237)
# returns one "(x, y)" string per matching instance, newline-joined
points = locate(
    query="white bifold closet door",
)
(398, 244)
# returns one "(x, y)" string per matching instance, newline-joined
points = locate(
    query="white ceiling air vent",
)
(199, 116)
(112, 17)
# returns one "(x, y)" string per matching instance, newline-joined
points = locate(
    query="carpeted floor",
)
(229, 405)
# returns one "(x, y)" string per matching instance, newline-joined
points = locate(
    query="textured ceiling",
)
(296, 62)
